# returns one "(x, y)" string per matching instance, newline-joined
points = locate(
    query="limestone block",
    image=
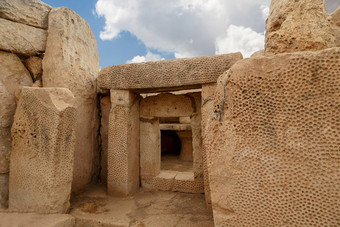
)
(123, 147)
(273, 154)
(185, 182)
(298, 26)
(168, 105)
(71, 61)
(21, 39)
(13, 76)
(34, 65)
(3, 191)
(29, 12)
(186, 145)
(167, 74)
(207, 110)
(164, 181)
(43, 135)
(36, 220)
(335, 17)
(150, 148)
(105, 106)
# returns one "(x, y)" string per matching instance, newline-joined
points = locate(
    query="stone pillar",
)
(123, 147)
(105, 106)
(207, 112)
(43, 135)
(150, 147)
(186, 142)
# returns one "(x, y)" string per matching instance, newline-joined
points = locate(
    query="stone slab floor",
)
(154, 209)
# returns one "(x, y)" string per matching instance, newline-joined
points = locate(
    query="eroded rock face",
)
(3, 191)
(29, 12)
(336, 25)
(21, 39)
(298, 26)
(105, 106)
(34, 65)
(71, 60)
(43, 135)
(273, 149)
(13, 76)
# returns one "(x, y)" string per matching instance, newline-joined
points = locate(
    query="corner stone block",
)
(123, 147)
(150, 147)
(43, 135)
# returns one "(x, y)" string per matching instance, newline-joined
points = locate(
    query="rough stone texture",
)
(274, 155)
(34, 65)
(123, 150)
(168, 180)
(335, 16)
(21, 39)
(13, 76)
(168, 105)
(3, 191)
(166, 74)
(43, 135)
(298, 26)
(207, 109)
(29, 12)
(150, 148)
(71, 61)
(186, 145)
(36, 220)
(105, 106)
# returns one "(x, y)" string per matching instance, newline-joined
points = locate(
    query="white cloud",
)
(186, 28)
(148, 57)
(265, 11)
(239, 38)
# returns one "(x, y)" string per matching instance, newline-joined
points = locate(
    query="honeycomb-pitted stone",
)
(274, 157)
(166, 74)
(43, 135)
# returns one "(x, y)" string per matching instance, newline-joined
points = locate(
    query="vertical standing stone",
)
(42, 151)
(13, 76)
(150, 147)
(71, 61)
(123, 151)
(105, 106)
(207, 112)
(298, 26)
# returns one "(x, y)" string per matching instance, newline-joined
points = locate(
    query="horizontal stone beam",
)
(167, 74)
(175, 127)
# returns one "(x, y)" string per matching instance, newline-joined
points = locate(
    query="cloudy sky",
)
(149, 30)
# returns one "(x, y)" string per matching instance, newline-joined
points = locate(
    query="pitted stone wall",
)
(273, 148)
(43, 135)
(166, 74)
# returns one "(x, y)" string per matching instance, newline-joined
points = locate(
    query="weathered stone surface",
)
(29, 12)
(21, 39)
(123, 150)
(335, 16)
(34, 65)
(273, 157)
(3, 191)
(298, 26)
(43, 135)
(36, 220)
(166, 74)
(71, 60)
(105, 106)
(13, 76)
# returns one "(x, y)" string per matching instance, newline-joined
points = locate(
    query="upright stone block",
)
(123, 151)
(150, 147)
(105, 106)
(298, 26)
(3, 191)
(335, 16)
(43, 135)
(71, 61)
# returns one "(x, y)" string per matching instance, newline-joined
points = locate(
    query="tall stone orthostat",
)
(42, 154)
(298, 26)
(71, 61)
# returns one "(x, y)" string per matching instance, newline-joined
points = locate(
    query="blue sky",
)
(111, 52)
(129, 31)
